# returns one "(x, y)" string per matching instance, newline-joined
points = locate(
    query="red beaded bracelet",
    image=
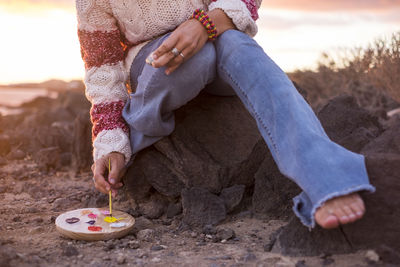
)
(204, 19)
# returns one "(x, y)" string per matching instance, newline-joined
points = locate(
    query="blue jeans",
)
(294, 135)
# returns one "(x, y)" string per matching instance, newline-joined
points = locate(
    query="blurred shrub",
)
(371, 74)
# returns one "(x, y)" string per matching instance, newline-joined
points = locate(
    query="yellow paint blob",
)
(110, 219)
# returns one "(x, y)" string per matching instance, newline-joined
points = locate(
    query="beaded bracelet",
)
(201, 15)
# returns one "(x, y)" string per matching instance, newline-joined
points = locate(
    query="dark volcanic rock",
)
(82, 142)
(348, 124)
(48, 158)
(232, 196)
(154, 208)
(5, 146)
(378, 227)
(200, 207)
(174, 209)
(16, 154)
(215, 145)
(387, 142)
(273, 192)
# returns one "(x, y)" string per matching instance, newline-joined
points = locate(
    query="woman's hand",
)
(188, 38)
(113, 181)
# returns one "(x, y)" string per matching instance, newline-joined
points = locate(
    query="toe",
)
(341, 214)
(349, 213)
(325, 217)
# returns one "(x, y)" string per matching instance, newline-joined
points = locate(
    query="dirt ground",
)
(30, 202)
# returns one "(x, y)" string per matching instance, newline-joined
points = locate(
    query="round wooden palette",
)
(80, 230)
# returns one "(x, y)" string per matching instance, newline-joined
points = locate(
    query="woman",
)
(189, 44)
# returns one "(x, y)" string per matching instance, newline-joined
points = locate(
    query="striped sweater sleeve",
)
(243, 13)
(105, 77)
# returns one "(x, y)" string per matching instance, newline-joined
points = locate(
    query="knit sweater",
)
(111, 33)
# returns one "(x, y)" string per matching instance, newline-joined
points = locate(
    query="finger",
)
(100, 182)
(166, 46)
(165, 58)
(187, 53)
(117, 163)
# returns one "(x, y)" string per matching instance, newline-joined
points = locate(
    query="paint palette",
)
(94, 224)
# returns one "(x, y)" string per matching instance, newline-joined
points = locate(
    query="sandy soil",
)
(30, 202)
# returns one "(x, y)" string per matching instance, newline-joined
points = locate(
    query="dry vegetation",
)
(371, 74)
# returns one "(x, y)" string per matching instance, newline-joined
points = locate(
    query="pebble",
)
(193, 234)
(156, 259)
(69, 251)
(371, 255)
(121, 259)
(146, 235)
(225, 234)
(16, 218)
(156, 248)
(249, 257)
(209, 230)
(134, 244)
(37, 230)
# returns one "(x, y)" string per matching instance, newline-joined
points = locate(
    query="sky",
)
(39, 39)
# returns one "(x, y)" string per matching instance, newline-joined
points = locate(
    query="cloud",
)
(332, 5)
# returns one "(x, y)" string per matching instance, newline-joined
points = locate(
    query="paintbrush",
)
(109, 192)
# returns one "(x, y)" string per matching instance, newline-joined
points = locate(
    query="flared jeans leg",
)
(293, 133)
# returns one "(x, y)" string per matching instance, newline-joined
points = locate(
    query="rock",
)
(225, 234)
(5, 145)
(383, 208)
(146, 235)
(61, 204)
(387, 142)
(232, 196)
(371, 256)
(209, 229)
(142, 223)
(388, 254)
(174, 209)
(82, 157)
(195, 154)
(134, 244)
(48, 158)
(154, 208)
(7, 255)
(200, 207)
(69, 251)
(156, 248)
(271, 188)
(348, 124)
(3, 161)
(16, 154)
(121, 259)
(249, 257)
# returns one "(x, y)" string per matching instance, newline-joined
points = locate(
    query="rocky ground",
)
(208, 195)
(31, 200)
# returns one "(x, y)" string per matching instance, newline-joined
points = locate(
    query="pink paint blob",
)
(92, 216)
(105, 212)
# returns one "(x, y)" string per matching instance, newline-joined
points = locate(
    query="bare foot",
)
(340, 210)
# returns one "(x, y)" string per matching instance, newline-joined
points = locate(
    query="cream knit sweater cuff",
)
(238, 12)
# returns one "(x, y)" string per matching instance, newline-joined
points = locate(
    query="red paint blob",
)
(95, 228)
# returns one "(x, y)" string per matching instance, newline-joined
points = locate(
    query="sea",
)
(11, 98)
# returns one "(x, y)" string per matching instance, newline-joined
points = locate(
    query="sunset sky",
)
(39, 40)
